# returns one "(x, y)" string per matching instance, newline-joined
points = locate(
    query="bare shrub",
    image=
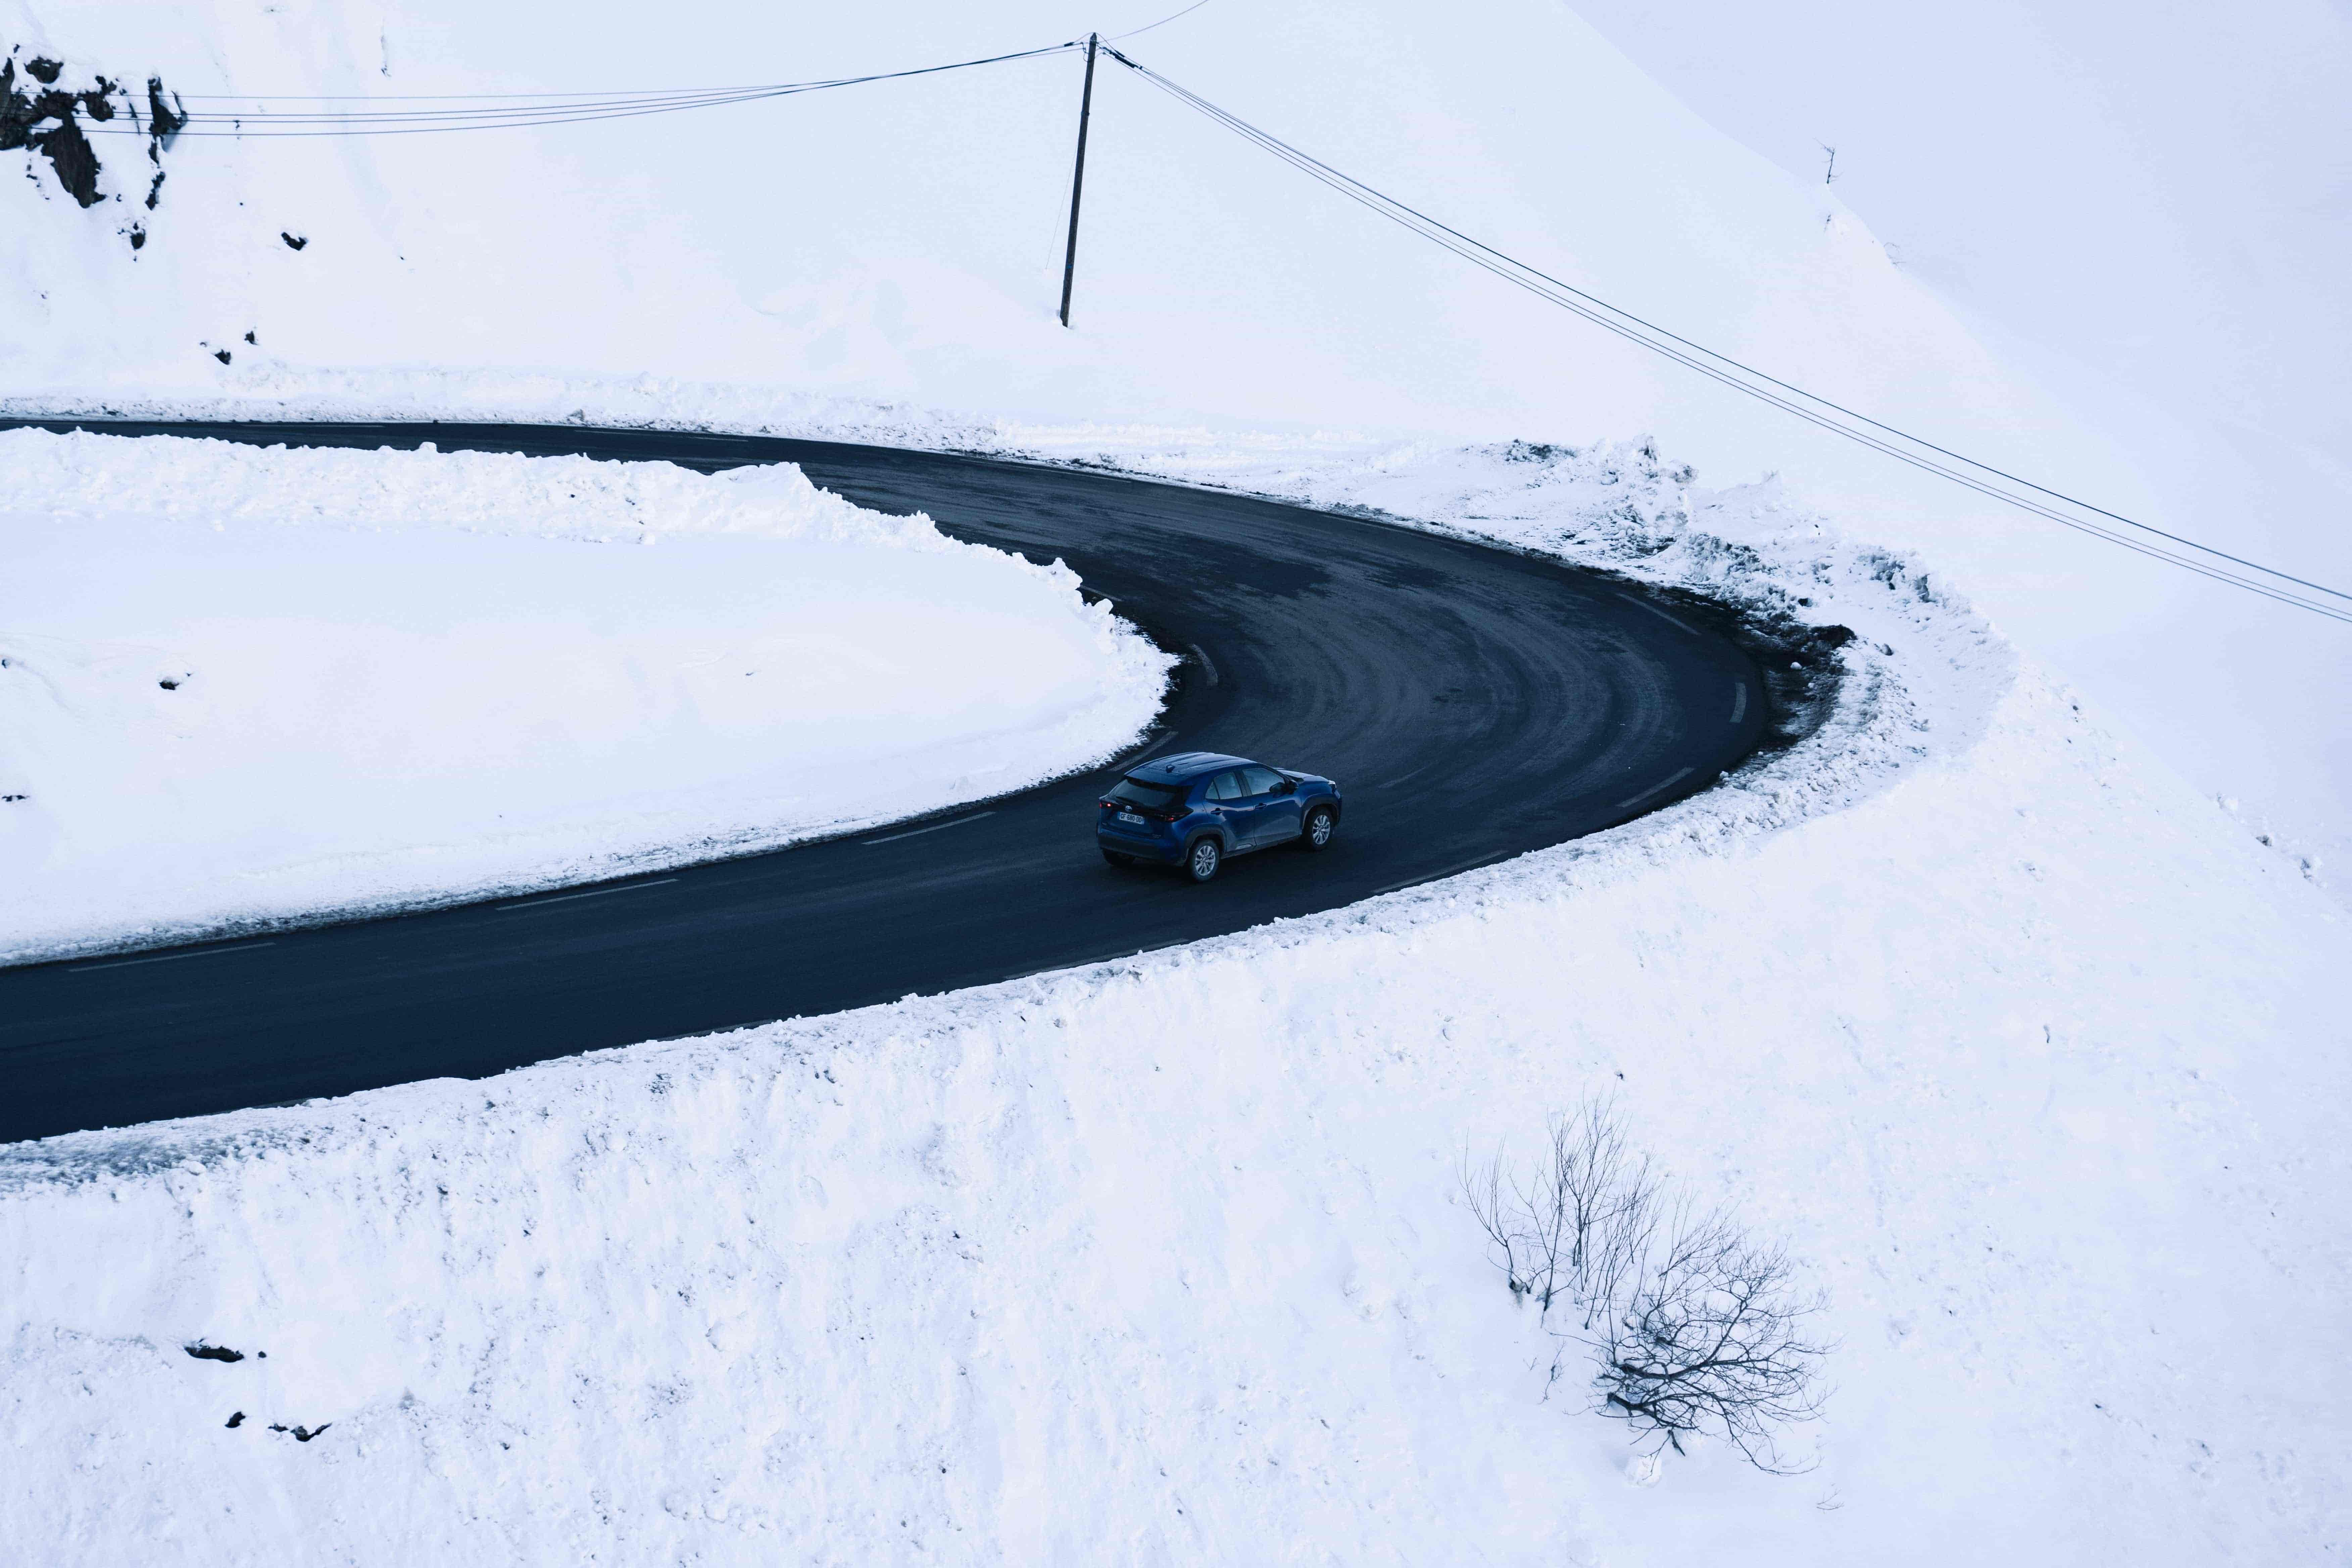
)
(1563, 1231)
(1695, 1326)
(1707, 1337)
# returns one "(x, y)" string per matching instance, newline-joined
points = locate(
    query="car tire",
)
(1316, 833)
(1203, 858)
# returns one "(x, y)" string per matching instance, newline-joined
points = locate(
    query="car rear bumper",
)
(1166, 851)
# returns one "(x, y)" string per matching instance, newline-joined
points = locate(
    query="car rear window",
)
(1159, 798)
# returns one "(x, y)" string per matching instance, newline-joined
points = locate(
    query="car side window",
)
(1226, 785)
(1260, 781)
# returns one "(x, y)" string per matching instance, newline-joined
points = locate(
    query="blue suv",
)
(1196, 808)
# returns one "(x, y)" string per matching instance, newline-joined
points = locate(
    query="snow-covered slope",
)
(2042, 1074)
(903, 240)
(2033, 1054)
(2149, 215)
(241, 685)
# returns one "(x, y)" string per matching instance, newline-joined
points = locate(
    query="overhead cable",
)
(1983, 478)
(1148, 27)
(499, 112)
(495, 112)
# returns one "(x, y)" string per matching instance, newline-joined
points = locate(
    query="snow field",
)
(2033, 1054)
(2035, 1060)
(406, 677)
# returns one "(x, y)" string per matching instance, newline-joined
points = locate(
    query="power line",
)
(2269, 581)
(1148, 27)
(502, 112)
(516, 111)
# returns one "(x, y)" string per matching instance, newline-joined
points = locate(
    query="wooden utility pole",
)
(1078, 181)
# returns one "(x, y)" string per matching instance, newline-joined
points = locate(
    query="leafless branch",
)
(1709, 1338)
(1483, 1194)
(1695, 1327)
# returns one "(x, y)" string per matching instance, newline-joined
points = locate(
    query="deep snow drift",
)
(242, 685)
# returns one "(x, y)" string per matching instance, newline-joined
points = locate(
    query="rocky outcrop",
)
(38, 114)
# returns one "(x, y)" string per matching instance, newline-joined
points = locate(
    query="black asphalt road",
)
(1471, 703)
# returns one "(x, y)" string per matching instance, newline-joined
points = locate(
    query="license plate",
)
(1130, 817)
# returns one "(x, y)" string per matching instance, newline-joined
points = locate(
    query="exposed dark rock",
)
(1832, 638)
(164, 120)
(17, 110)
(294, 241)
(49, 122)
(221, 354)
(235, 1420)
(249, 338)
(67, 149)
(70, 154)
(204, 1352)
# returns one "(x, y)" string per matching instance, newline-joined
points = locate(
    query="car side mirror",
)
(1287, 786)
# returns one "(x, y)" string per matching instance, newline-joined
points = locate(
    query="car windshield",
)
(1135, 792)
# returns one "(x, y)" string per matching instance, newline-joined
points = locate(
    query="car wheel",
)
(1202, 860)
(1316, 833)
(1125, 862)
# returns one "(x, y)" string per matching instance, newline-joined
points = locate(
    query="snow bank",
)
(244, 686)
(2037, 1062)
